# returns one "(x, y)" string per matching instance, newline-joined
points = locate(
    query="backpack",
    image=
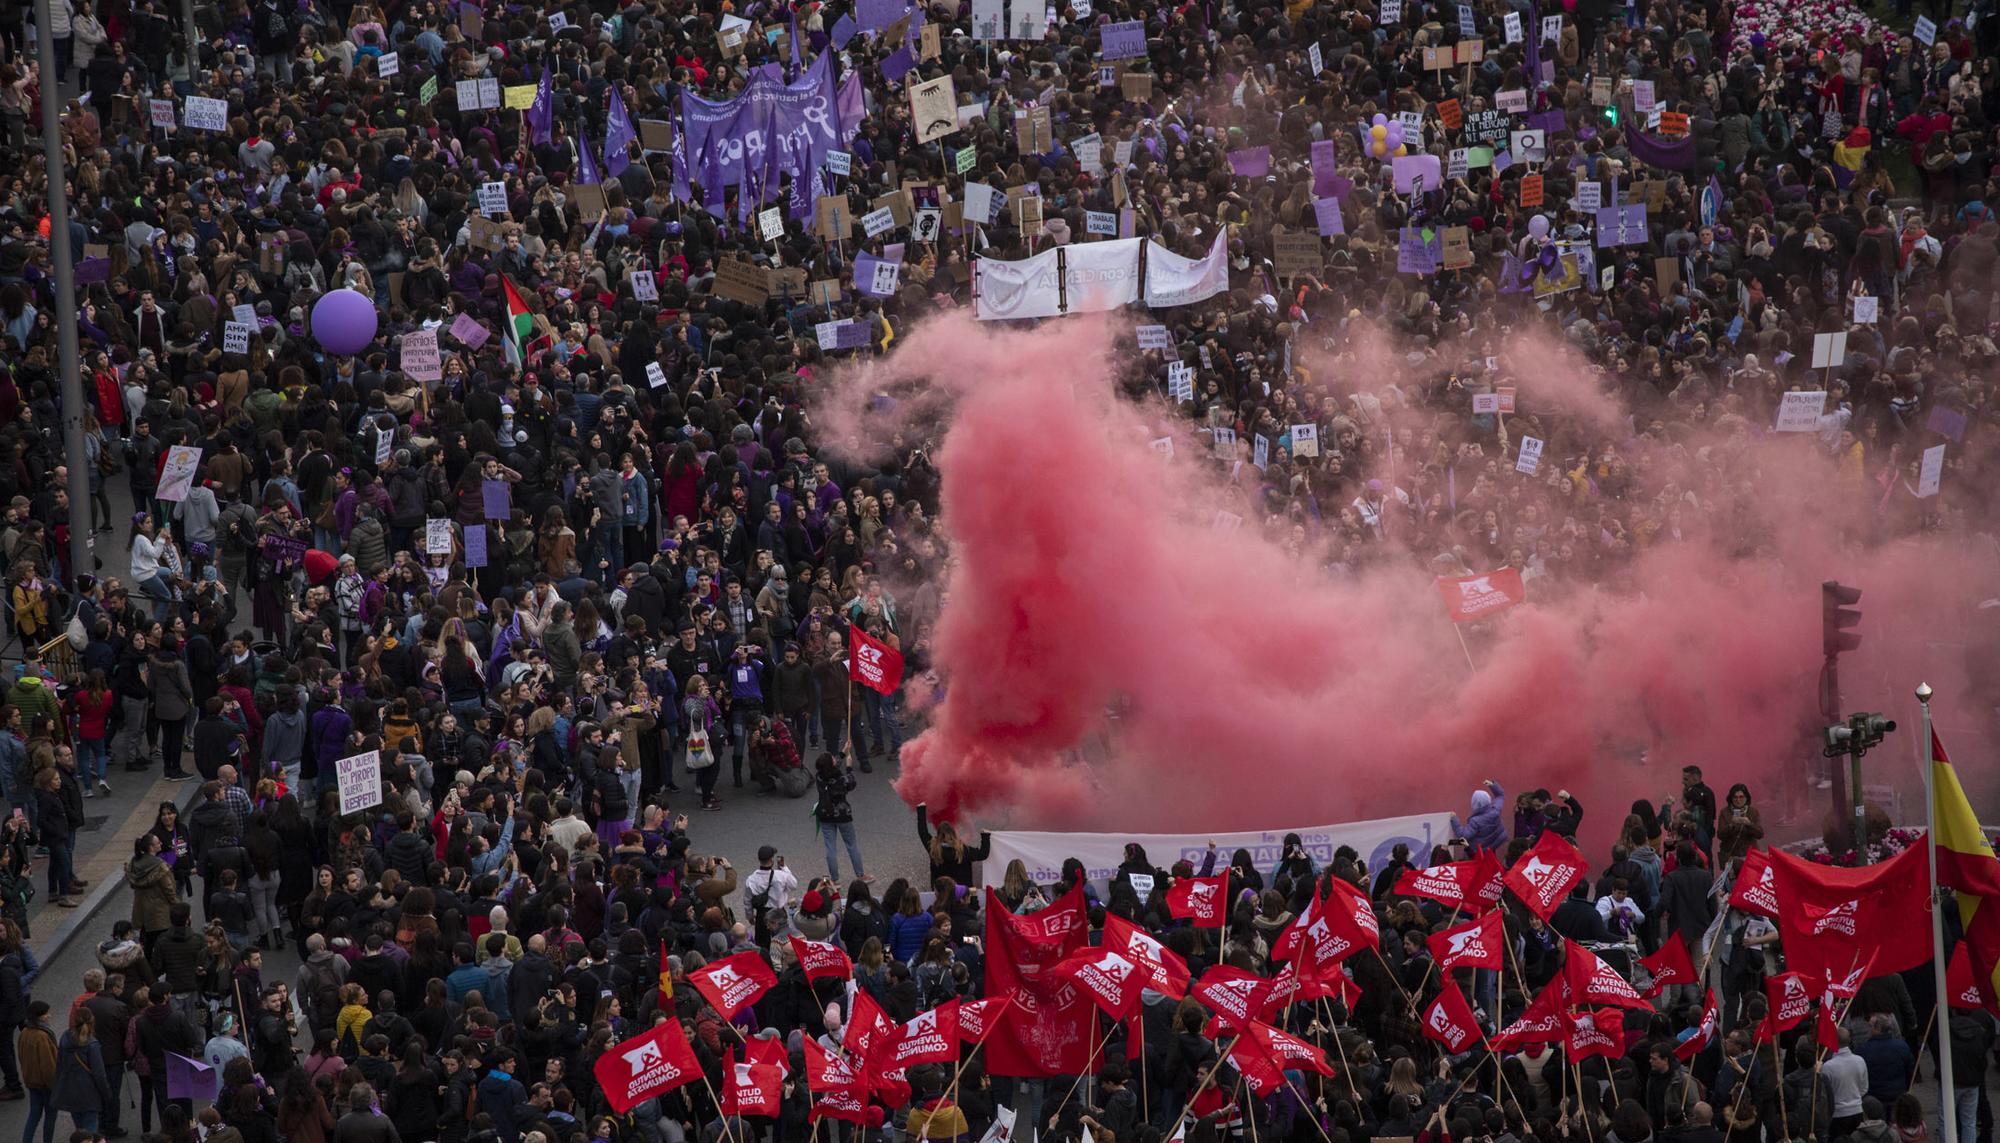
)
(325, 982)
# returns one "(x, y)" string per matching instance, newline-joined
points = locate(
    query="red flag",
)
(1287, 945)
(1832, 914)
(822, 960)
(1791, 1002)
(1108, 977)
(845, 1103)
(1287, 1051)
(1532, 1028)
(1591, 981)
(649, 1064)
(1704, 1032)
(1235, 996)
(733, 983)
(1473, 885)
(1756, 888)
(1050, 1029)
(1670, 966)
(1844, 987)
(873, 663)
(929, 1038)
(1963, 985)
(1479, 943)
(1203, 900)
(1330, 937)
(867, 1026)
(977, 1018)
(1598, 1033)
(750, 1088)
(1449, 1020)
(666, 979)
(1544, 875)
(826, 1071)
(1471, 597)
(1164, 969)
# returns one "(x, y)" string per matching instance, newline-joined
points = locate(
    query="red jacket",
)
(93, 712)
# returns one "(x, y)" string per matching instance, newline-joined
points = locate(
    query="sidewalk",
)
(102, 847)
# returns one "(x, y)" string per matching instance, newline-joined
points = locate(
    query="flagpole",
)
(1947, 1098)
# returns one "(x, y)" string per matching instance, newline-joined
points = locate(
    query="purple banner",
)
(282, 549)
(1677, 154)
(1123, 41)
(878, 14)
(475, 545)
(767, 129)
(1622, 225)
(1251, 162)
(498, 496)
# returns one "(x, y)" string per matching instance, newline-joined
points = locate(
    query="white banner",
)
(1098, 276)
(1101, 853)
(1172, 280)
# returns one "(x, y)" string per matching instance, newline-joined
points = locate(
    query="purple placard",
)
(1124, 40)
(864, 273)
(1413, 254)
(898, 65)
(1327, 211)
(1949, 422)
(467, 330)
(93, 270)
(1411, 169)
(475, 545)
(879, 14)
(1621, 225)
(498, 497)
(1251, 162)
(1550, 123)
(1324, 158)
(843, 31)
(189, 1079)
(282, 550)
(852, 335)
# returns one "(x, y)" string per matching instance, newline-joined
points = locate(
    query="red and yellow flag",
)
(1966, 862)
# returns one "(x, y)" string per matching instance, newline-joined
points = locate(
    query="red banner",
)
(820, 960)
(1478, 943)
(1833, 916)
(733, 983)
(873, 663)
(649, 1064)
(1049, 1030)
(1544, 875)
(1203, 900)
(1473, 597)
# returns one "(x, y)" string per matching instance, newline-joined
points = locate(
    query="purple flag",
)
(189, 1079)
(1123, 40)
(586, 170)
(1251, 162)
(618, 135)
(542, 112)
(1677, 154)
(792, 37)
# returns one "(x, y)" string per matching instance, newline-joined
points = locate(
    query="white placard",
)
(1260, 450)
(360, 782)
(558, 21)
(1100, 222)
(1531, 456)
(1829, 350)
(885, 278)
(1924, 31)
(420, 357)
(655, 376)
(493, 199)
(1142, 884)
(177, 474)
(437, 537)
(1392, 12)
(245, 314)
(926, 225)
(1165, 447)
(644, 287)
(1316, 58)
(1589, 196)
(1867, 310)
(1305, 440)
(980, 202)
(1552, 29)
(771, 223)
(1458, 164)
(235, 337)
(163, 113)
(1643, 98)
(390, 63)
(206, 114)
(839, 162)
(877, 222)
(1931, 472)
(1512, 21)
(1530, 146)
(489, 93)
(1155, 337)
(1224, 441)
(1485, 403)
(1800, 412)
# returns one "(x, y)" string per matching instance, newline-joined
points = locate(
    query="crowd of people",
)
(553, 588)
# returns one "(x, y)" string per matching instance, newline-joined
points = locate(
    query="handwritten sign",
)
(205, 114)
(438, 537)
(420, 357)
(235, 337)
(1530, 458)
(468, 331)
(360, 780)
(1800, 412)
(1931, 473)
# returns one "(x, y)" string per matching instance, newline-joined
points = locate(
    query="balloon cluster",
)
(1384, 138)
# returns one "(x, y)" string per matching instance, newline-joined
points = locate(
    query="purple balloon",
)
(343, 321)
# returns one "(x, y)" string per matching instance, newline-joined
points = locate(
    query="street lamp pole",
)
(82, 537)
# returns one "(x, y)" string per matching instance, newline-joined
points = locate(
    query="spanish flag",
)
(666, 978)
(1966, 863)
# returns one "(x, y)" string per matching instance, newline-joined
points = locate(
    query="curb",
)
(57, 942)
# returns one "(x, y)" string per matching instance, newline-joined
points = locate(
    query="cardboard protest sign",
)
(360, 778)
(741, 281)
(1799, 412)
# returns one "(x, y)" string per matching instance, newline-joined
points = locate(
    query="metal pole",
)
(1948, 1109)
(193, 36)
(82, 537)
(1860, 807)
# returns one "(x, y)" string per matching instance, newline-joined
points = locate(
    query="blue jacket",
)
(463, 979)
(501, 1096)
(907, 934)
(1485, 829)
(1890, 1066)
(637, 498)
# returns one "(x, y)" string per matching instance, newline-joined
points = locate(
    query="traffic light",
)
(1837, 616)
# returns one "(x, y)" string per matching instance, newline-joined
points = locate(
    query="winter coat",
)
(369, 545)
(171, 691)
(81, 1083)
(153, 893)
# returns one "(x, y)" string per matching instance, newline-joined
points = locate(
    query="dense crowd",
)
(598, 551)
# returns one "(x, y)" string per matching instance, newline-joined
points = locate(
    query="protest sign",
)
(163, 112)
(1305, 440)
(1931, 473)
(496, 498)
(177, 475)
(420, 355)
(1530, 457)
(1155, 337)
(1829, 350)
(1866, 309)
(235, 337)
(205, 114)
(934, 108)
(360, 778)
(468, 331)
(1800, 412)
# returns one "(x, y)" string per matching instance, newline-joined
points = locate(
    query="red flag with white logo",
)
(1670, 966)
(1544, 875)
(1591, 981)
(928, 1038)
(826, 1071)
(750, 1087)
(1263, 1054)
(1542, 1022)
(1108, 977)
(1473, 597)
(849, 1104)
(1049, 1030)
(1704, 1032)
(873, 663)
(1235, 996)
(1833, 914)
(1449, 1020)
(1165, 971)
(733, 983)
(1962, 984)
(1203, 900)
(1791, 1002)
(649, 1064)
(1473, 885)
(822, 960)
(867, 1026)
(1595, 1033)
(977, 1018)
(1478, 943)
(1756, 889)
